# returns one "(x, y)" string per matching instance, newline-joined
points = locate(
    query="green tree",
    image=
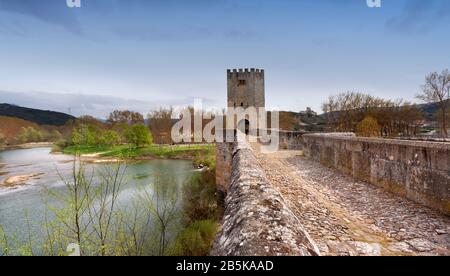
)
(110, 138)
(368, 127)
(138, 135)
(29, 135)
(85, 135)
(24, 135)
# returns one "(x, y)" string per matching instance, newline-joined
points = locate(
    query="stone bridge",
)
(334, 195)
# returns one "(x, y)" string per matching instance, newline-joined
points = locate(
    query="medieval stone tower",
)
(246, 88)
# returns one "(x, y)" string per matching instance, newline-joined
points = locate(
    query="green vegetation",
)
(138, 135)
(109, 138)
(200, 202)
(151, 151)
(201, 211)
(35, 135)
(127, 138)
(206, 156)
(88, 214)
(30, 135)
(197, 239)
(157, 221)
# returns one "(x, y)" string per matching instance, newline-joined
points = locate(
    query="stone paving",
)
(348, 217)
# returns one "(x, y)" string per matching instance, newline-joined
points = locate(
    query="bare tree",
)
(125, 117)
(103, 202)
(160, 123)
(345, 111)
(437, 90)
(69, 219)
(163, 205)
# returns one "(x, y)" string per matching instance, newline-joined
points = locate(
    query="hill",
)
(302, 121)
(429, 111)
(10, 127)
(40, 117)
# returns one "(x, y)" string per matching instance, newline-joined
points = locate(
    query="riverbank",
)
(27, 146)
(141, 184)
(199, 153)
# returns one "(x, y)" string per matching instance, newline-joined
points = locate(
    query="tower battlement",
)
(236, 72)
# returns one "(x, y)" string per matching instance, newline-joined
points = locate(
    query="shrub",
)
(199, 198)
(60, 145)
(54, 135)
(197, 239)
(29, 135)
(368, 127)
(206, 158)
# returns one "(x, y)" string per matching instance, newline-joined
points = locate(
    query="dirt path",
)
(347, 217)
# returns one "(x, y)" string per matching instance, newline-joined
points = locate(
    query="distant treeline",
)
(345, 112)
(367, 115)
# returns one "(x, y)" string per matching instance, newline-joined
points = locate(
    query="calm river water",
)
(49, 168)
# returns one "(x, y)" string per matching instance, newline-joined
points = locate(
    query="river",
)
(46, 172)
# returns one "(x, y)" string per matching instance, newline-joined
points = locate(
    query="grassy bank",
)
(191, 152)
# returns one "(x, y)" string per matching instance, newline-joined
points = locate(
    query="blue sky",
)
(140, 54)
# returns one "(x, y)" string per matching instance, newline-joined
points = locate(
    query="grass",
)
(152, 151)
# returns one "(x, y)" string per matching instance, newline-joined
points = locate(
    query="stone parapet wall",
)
(224, 157)
(417, 170)
(291, 140)
(257, 222)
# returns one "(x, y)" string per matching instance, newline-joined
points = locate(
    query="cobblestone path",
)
(348, 217)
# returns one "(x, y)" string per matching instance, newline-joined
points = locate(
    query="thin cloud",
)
(84, 104)
(51, 11)
(419, 16)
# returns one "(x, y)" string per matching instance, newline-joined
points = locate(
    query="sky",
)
(141, 54)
